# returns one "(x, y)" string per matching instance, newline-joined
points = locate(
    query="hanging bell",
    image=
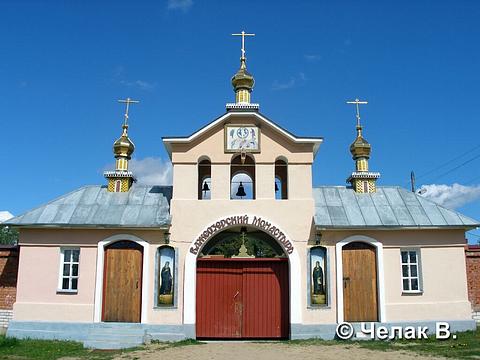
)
(205, 188)
(241, 191)
(276, 187)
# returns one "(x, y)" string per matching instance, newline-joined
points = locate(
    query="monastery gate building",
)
(240, 247)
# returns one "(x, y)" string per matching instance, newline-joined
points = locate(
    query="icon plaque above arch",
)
(242, 137)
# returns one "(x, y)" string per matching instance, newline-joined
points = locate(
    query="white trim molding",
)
(295, 274)
(168, 141)
(380, 274)
(97, 317)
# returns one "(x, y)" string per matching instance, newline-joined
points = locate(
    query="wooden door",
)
(122, 282)
(238, 298)
(359, 282)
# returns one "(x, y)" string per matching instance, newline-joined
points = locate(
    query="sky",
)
(64, 64)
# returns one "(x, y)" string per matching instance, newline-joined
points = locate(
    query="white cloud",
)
(119, 74)
(277, 85)
(152, 171)
(451, 196)
(294, 81)
(149, 171)
(141, 84)
(313, 57)
(5, 215)
(183, 5)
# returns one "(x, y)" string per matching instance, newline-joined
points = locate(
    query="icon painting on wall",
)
(242, 137)
(318, 279)
(165, 278)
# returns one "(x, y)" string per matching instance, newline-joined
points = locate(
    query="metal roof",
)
(141, 207)
(339, 207)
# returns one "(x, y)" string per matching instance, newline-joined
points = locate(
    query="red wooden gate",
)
(242, 298)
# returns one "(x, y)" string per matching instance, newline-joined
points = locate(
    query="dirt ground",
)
(268, 351)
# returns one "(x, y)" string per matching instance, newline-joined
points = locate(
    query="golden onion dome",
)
(360, 147)
(123, 146)
(243, 79)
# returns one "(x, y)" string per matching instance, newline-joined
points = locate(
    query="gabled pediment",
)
(232, 118)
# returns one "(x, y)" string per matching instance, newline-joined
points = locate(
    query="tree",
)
(8, 235)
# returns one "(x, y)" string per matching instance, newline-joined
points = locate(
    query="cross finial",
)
(127, 101)
(243, 34)
(358, 102)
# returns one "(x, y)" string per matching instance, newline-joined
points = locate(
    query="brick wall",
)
(8, 276)
(472, 254)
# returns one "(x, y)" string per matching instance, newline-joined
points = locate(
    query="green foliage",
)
(8, 235)
(257, 243)
(186, 342)
(227, 246)
(50, 350)
(465, 346)
(259, 248)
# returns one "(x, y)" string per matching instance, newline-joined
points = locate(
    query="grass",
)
(16, 349)
(186, 342)
(50, 350)
(465, 346)
(173, 344)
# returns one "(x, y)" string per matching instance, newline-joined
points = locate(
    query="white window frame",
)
(70, 277)
(409, 277)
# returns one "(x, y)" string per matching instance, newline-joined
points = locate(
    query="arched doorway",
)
(122, 282)
(360, 299)
(242, 287)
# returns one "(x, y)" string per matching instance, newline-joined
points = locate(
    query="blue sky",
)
(65, 63)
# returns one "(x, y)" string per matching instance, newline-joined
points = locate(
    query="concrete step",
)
(119, 332)
(166, 336)
(115, 325)
(116, 337)
(109, 345)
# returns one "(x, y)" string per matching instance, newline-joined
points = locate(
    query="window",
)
(118, 186)
(166, 276)
(242, 187)
(318, 276)
(365, 187)
(204, 180)
(281, 189)
(278, 188)
(69, 261)
(242, 177)
(411, 271)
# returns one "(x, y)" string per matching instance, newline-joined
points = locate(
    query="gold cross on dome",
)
(243, 34)
(127, 101)
(358, 102)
